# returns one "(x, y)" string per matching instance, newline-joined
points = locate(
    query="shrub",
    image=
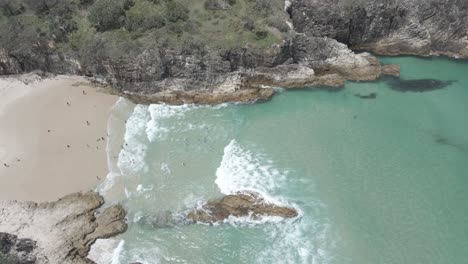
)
(61, 28)
(176, 11)
(279, 24)
(217, 4)
(83, 33)
(144, 16)
(30, 41)
(176, 28)
(249, 24)
(263, 6)
(12, 7)
(191, 46)
(261, 34)
(107, 14)
(65, 8)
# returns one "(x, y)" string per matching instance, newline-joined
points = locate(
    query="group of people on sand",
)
(7, 165)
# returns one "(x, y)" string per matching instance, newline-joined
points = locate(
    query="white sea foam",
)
(106, 251)
(159, 113)
(141, 189)
(165, 168)
(241, 170)
(117, 252)
(132, 156)
(120, 112)
(296, 242)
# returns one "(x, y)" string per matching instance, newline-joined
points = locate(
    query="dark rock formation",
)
(420, 85)
(367, 96)
(242, 204)
(16, 251)
(432, 27)
(441, 140)
(57, 232)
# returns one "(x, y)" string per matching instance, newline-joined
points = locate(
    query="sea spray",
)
(117, 251)
(105, 251)
(242, 170)
(159, 113)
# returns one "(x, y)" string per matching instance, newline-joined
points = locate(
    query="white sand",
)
(37, 124)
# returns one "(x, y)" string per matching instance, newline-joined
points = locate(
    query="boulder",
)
(241, 204)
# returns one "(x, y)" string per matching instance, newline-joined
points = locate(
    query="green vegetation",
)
(122, 28)
(107, 14)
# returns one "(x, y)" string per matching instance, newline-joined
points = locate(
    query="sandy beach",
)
(52, 137)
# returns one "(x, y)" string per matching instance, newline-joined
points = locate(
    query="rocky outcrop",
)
(16, 251)
(242, 204)
(240, 75)
(8, 64)
(58, 232)
(433, 27)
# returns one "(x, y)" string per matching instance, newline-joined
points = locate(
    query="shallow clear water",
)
(380, 180)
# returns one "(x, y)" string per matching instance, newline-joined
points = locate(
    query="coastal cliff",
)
(423, 28)
(56, 232)
(220, 51)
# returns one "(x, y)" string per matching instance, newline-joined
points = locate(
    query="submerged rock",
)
(242, 204)
(367, 96)
(420, 85)
(163, 219)
(61, 231)
(391, 70)
(441, 140)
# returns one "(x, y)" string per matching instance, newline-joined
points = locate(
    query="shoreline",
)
(53, 136)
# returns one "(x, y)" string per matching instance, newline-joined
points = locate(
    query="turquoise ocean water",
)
(381, 180)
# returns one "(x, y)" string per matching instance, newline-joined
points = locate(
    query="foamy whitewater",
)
(372, 180)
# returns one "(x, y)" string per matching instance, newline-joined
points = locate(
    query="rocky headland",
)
(56, 232)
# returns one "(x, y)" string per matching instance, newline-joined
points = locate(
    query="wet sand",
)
(53, 135)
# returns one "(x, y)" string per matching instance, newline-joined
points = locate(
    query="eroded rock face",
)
(424, 28)
(242, 204)
(242, 75)
(8, 64)
(62, 231)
